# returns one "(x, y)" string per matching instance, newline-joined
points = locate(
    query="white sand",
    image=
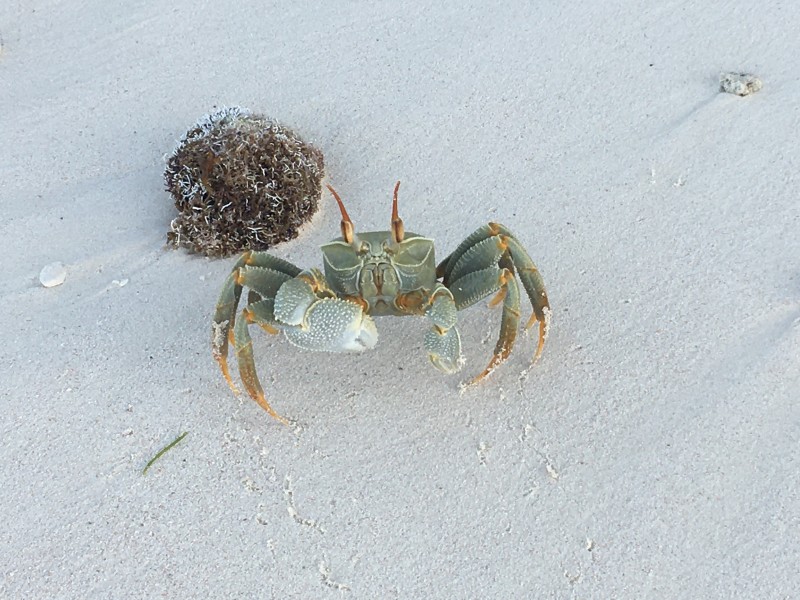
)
(653, 452)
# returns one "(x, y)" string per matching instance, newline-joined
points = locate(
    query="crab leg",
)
(472, 287)
(262, 313)
(247, 367)
(444, 269)
(476, 251)
(509, 322)
(481, 255)
(225, 312)
(263, 280)
(232, 289)
(534, 287)
(224, 318)
(264, 259)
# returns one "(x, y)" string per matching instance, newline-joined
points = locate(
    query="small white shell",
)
(53, 274)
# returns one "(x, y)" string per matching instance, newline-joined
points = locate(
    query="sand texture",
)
(651, 453)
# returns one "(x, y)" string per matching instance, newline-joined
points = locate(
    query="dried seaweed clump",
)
(241, 181)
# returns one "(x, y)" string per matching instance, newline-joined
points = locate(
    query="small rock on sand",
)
(741, 84)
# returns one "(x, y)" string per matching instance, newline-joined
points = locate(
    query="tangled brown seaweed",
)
(241, 181)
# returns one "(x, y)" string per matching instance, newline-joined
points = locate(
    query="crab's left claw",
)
(442, 341)
(444, 349)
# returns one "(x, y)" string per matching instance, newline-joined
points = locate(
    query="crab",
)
(372, 274)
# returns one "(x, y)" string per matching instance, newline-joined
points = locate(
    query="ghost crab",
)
(377, 273)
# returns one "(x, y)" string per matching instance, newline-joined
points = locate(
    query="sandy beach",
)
(652, 452)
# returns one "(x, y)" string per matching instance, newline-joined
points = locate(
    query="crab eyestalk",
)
(348, 231)
(397, 223)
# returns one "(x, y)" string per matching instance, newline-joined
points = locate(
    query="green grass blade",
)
(165, 449)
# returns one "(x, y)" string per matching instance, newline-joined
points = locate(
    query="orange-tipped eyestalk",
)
(397, 223)
(348, 232)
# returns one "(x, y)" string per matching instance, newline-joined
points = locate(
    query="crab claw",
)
(444, 349)
(334, 325)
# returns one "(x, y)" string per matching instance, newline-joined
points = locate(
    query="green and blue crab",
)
(371, 274)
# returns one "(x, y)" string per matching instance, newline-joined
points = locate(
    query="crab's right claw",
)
(334, 325)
